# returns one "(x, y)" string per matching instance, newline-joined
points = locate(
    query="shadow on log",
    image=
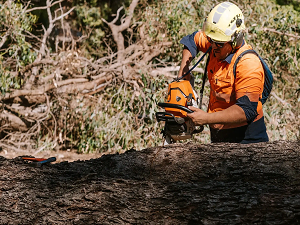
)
(178, 184)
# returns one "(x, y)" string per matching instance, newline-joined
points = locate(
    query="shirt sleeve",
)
(249, 77)
(249, 85)
(195, 42)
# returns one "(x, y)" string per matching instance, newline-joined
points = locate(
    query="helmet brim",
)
(216, 34)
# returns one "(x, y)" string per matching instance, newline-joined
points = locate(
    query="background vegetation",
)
(87, 75)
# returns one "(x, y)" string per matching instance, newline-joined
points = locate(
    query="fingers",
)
(193, 108)
(191, 115)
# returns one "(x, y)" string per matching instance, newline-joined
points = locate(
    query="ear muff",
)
(238, 36)
(237, 39)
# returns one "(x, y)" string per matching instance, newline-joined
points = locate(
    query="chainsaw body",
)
(177, 125)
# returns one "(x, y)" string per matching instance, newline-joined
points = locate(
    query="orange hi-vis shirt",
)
(225, 89)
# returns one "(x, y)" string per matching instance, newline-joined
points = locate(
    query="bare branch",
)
(164, 70)
(4, 38)
(43, 7)
(118, 14)
(281, 33)
(127, 20)
(63, 15)
(50, 28)
(42, 62)
(76, 85)
(117, 29)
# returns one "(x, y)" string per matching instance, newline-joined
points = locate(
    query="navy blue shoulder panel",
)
(189, 42)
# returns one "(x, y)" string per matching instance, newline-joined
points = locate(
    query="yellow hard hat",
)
(224, 23)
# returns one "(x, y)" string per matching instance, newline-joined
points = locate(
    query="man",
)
(234, 112)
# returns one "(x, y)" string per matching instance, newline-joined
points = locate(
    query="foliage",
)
(281, 49)
(13, 27)
(88, 18)
(122, 116)
(166, 20)
(113, 121)
(294, 3)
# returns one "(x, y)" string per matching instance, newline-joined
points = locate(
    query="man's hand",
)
(231, 115)
(198, 116)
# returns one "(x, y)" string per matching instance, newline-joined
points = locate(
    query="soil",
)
(177, 184)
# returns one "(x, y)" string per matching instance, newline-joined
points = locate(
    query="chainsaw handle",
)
(170, 105)
(52, 159)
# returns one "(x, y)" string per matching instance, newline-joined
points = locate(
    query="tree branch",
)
(43, 7)
(281, 33)
(117, 29)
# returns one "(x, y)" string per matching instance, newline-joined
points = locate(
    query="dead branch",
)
(12, 121)
(50, 28)
(4, 38)
(65, 86)
(43, 7)
(37, 63)
(281, 33)
(75, 88)
(117, 29)
(167, 70)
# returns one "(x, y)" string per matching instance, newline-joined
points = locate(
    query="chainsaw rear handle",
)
(170, 105)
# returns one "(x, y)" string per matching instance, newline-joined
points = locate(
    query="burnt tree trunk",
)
(178, 184)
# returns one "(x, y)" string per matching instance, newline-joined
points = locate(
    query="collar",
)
(229, 57)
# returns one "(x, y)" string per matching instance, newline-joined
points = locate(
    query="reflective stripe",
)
(220, 10)
(217, 17)
(226, 4)
(228, 32)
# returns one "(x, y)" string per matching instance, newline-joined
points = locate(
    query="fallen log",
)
(178, 184)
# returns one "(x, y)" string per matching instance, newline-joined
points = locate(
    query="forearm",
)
(233, 114)
(185, 63)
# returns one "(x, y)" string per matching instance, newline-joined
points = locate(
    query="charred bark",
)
(178, 184)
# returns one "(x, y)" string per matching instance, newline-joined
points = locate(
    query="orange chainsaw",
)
(177, 125)
(180, 95)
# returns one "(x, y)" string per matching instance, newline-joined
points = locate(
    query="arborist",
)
(235, 111)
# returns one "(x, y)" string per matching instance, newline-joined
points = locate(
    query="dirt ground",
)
(178, 184)
(60, 156)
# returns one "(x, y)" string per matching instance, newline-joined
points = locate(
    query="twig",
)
(42, 90)
(4, 38)
(44, 61)
(281, 33)
(279, 99)
(50, 27)
(43, 7)
(98, 89)
(161, 71)
(117, 29)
